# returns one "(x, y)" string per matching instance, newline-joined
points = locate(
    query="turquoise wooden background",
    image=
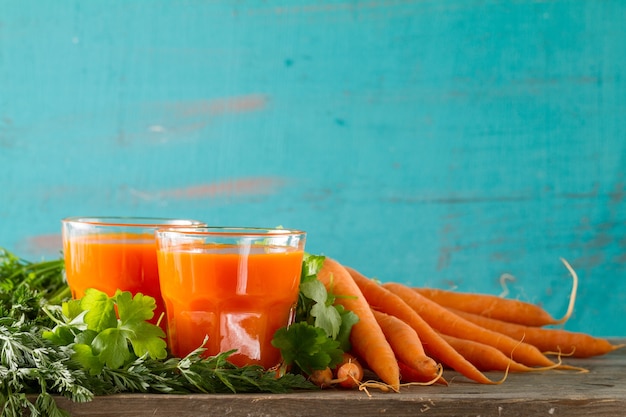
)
(431, 142)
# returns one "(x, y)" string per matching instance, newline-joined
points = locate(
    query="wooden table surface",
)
(599, 392)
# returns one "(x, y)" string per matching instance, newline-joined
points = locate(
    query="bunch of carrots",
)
(408, 335)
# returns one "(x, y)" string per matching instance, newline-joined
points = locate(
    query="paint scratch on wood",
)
(234, 187)
(180, 119)
(48, 243)
(239, 104)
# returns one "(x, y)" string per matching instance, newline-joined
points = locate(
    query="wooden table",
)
(600, 392)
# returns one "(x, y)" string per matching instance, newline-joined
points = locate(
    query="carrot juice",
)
(110, 262)
(116, 253)
(234, 295)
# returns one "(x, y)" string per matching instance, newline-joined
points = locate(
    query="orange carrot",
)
(505, 309)
(486, 357)
(579, 345)
(447, 322)
(409, 374)
(367, 338)
(384, 300)
(323, 378)
(407, 345)
(350, 374)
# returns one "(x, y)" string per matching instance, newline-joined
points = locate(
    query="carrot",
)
(384, 300)
(407, 345)
(505, 309)
(350, 374)
(580, 345)
(486, 357)
(367, 339)
(447, 322)
(409, 375)
(323, 378)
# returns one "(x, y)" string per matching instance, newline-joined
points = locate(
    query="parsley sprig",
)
(100, 330)
(320, 334)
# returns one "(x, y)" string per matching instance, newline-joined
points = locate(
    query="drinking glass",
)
(111, 253)
(234, 286)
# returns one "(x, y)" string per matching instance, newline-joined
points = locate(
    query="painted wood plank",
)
(432, 142)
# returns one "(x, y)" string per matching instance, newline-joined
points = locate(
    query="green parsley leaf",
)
(327, 318)
(315, 290)
(111, 347)
(115, 342)
(321, 332)
(83, 354)
(72, 309)
(307, 346)
(134, 309)
(145, 338)
(348, 319)
(100, 309)
(312, 264)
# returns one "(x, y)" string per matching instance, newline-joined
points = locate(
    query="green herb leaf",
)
(134, 309)
(312, 264)
(315, 290)
(322, 329)
(307, 346)
(72, 309)
(100, 310)
(111, 347)
(145, 338)
(84, 355)
(108, 336)
(327, 318)
(348, 319)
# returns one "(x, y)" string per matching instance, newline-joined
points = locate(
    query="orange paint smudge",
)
(48, 244)
(219, 106)
(238, 104)
(181, 119)
(245, 186)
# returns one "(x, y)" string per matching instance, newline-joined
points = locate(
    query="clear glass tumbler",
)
(236, 286)
(111, 253)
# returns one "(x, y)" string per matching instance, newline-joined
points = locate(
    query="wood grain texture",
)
(599, 392)
(435, 143)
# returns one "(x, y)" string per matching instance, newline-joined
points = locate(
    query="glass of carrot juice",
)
(233, 287)
(111, 253)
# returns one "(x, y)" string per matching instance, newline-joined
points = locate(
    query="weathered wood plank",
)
(601, 391)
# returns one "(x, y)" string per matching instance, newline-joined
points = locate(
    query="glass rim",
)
(133, 221)
(231, 231)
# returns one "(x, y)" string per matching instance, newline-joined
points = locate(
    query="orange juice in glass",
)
(236, 286)
(111, 253)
